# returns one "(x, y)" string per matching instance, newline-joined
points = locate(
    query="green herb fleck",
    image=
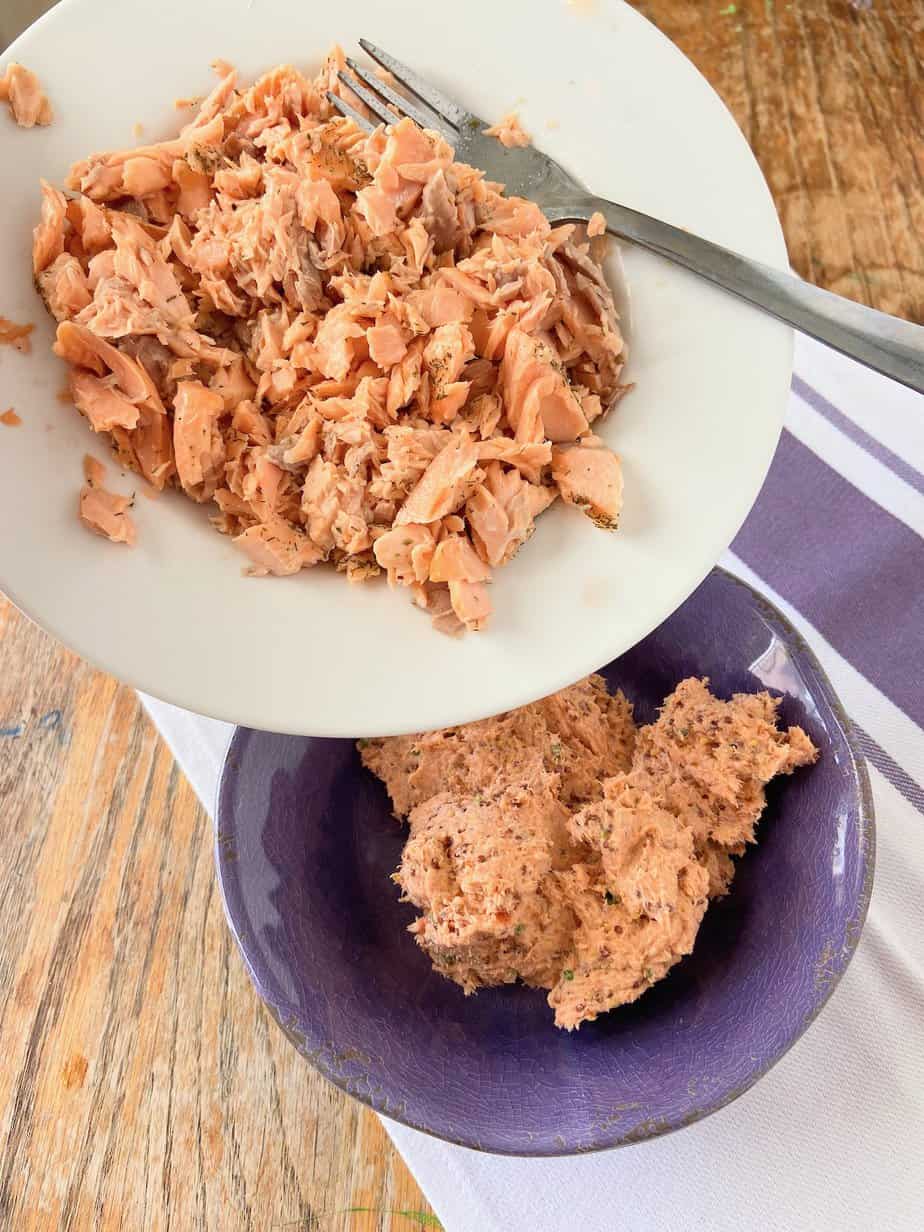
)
(363, 744)
(520, 928)
(567, 974)
(648, 974)
(421, 1218)
(613, 900)
(556, 752)
(607, 831)
(729, 11)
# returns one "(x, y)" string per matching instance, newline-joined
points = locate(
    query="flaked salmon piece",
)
(405, 553)
(10, 419)
(471, 603)
(439, 213)
(15, 335)
(434, 598)
(472, 290)
(445, 483)
(102, 403)
(217, 100)
(514, 216)
(448, 350)
(455, 560)
(502, 513)
(247, 421)
(490, 526)
(307, 445)
(321, 502)
(277, 548)
(149, 448)
(90, 225)
(233, 382)
(387, 343)
(320, 213)
(491, 331)
(509, 131)
(63, 286)
(195, 188)
(540, 403)
(100, 267)
(48, 236)
(80, 346)
(483, 412)
(336, 345)
(106, 176)
(404, 379)
(197, 443)
(418, 244)
(596, 225)
(102, 511)
(440, 305)
(22, 90)
(590, 477)
(530, 459)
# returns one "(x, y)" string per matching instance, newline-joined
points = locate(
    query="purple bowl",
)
(306, 845)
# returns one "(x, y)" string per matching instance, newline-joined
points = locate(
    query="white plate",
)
(609, 96)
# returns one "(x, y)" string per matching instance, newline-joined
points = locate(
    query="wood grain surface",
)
(141, 1084)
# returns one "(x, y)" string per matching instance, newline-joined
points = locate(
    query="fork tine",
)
(426, 119)
(350, 112)
(375, 105)
(451, 112)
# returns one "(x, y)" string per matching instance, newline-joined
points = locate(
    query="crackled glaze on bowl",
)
(306, 845)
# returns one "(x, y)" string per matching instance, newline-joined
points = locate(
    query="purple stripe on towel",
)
(889, 768)
(847, 565)
(898, 466)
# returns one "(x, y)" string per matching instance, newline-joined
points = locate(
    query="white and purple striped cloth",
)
(832, 1139)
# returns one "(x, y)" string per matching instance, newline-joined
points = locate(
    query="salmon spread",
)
(563, 846)
(352, 347)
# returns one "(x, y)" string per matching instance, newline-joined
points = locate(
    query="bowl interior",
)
(306, 846)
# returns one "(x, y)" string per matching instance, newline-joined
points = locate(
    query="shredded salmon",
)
(10, 419)
(16, 336)
(102, 511)
(509, 131)
(352, 347)
(22, 91)
(596, 225)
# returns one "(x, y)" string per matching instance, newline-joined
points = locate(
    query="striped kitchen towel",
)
(831, 1140)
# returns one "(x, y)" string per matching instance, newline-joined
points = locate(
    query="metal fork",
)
(886, 343)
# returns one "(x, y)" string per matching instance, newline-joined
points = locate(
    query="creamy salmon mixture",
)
(354, 348)
(561, 845)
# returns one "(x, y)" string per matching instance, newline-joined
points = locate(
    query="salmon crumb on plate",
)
(104, 512)
(22, 91)
(354, 349)
(509, 131)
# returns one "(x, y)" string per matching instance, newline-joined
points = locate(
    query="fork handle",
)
(885, 343)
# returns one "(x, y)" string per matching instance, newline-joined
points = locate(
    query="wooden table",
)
(142, 1085)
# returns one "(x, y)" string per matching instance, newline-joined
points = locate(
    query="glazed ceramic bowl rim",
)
(229, 887)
